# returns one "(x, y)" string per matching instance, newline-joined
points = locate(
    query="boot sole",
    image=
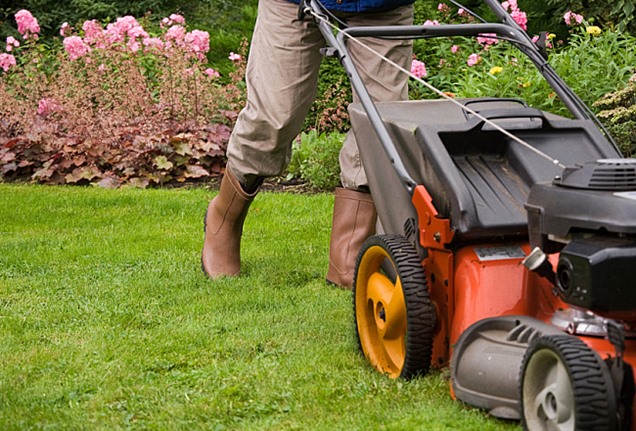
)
(205, 219)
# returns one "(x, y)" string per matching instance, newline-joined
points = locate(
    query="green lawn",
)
(107, 322)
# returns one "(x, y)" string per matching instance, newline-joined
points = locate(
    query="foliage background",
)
(579, 59)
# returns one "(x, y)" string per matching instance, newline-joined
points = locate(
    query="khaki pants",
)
(282, 76)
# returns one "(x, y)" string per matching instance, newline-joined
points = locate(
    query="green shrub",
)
(329, 110)
(618, 14)
(315, 159)
(52, 13)
(618, 113)
(229, 24)
(109, 112)
(503, 71)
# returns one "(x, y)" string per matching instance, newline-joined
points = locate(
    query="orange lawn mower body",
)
(507, 245)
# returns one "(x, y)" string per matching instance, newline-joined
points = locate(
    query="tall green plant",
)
(315, 159)
(618, 112)
(52, 14)
(618, 14)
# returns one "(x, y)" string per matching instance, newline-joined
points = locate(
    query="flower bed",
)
(122, 104)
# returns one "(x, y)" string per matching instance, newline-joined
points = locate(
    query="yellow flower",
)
(495, 70)
(593, 30)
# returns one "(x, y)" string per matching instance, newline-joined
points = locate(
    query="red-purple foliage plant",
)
(114, 105)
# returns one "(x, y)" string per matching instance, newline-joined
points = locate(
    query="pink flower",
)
(133, 45)
(47, 106)
(511, 4)
(517, 14)
(175, 36)
(75, 47)
(429, 22)
(234, 57)
(572, 18)
(443, 7)
(485, 40)
(177, 19)
(137, 31)
(473, 59)
(124, 26)
(172, 19)
(211, 73)
(153, 43)
(27, 24)
(418, 69)
(454, 49)
(462, 12)
(126, 23)
(93, 32)
(65, 30)
(520, 18)
(12, 42)
(548, 44)
(7, 61)
(198, 42)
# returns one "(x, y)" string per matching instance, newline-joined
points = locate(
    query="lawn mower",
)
(507, 245)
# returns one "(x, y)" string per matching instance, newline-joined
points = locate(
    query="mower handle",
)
(507, 29)
(501, 114)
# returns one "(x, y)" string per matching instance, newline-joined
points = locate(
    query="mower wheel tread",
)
(420, 314)
(593, 393)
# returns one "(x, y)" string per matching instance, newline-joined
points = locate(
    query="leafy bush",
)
(52, 14)
(315, 159)
(116, 106)
(229, 24)
(618, 112)
(618, 14)
(498, 69)
(329, 110)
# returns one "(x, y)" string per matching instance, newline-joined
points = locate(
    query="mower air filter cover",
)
(598, 274)
(605, 174)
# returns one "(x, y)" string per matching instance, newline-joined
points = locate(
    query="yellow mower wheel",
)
(395, 318)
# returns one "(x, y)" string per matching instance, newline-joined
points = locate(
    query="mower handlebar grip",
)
(501, 114)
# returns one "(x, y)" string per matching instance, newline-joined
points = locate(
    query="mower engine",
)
(588, 216)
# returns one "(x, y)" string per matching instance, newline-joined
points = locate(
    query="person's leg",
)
(281, 76)
(384, 82)
(354, 215)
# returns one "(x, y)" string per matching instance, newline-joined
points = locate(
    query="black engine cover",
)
(599, 274)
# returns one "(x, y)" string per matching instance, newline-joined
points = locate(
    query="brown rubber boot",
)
(354, 218)
(223, 226)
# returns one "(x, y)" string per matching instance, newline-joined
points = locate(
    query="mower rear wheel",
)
(565, 386)
(395, 318)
